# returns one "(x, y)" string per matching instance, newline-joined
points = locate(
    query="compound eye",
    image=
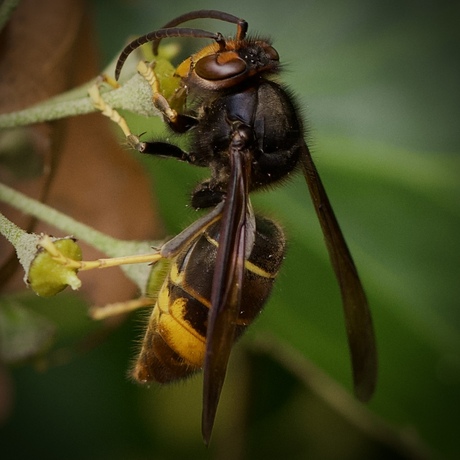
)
(220, 66)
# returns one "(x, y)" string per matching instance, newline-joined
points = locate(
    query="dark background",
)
(378, 83)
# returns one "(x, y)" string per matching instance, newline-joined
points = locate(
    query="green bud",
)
(48, 276)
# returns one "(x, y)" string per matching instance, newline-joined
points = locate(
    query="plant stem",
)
(113, 247)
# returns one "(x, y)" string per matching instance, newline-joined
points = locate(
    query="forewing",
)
(358, 319)
(226, 288)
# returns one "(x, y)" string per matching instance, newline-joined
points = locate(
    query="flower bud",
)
(46, 275)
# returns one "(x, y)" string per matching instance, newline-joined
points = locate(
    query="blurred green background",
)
(378, 82)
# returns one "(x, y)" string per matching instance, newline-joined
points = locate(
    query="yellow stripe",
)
(189, 290)
(175, 276)
(249, 265)
(258, 271)
(211, 240)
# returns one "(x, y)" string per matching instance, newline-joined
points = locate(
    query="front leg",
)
(178, 122)
(154, 148)
(162, 149)
(110, 112)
